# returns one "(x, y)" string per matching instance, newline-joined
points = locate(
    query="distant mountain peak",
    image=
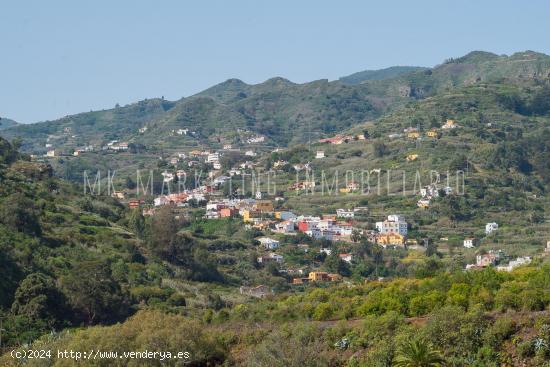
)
(278, 80)
(6, 123)
(475, 57)
(233, 82)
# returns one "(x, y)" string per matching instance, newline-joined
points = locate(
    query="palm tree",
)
(418, 353)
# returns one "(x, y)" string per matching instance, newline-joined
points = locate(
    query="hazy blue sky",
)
(64, 57)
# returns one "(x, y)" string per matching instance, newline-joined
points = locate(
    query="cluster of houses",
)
(84, 149)
(497, 258)
(261, 214)
(340, 139)
(116, 146)
(414, 133)
(50, 153)
(317, 276)
(255, 139)
(392, 231)
(430, 192)
(182, 132)
(213, 159)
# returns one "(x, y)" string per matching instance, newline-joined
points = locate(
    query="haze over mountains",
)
(283, 111)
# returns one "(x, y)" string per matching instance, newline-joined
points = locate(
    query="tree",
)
(334, 264)
(11, 274)
(19, 213)
(93, 292)
(38, 298)
(380, 149)
(355, 236)
(130, 184)
(377, 257)
(163, 234)
(455, 207)
(418, 353)
(136, 222)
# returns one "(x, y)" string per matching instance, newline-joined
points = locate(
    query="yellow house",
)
(391, 239)
(317, 276)
(350, 187)
(413, 135)
(249, 215)
(423, 203)
(411, 157)
(432, 134)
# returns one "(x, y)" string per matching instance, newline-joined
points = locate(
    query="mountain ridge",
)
(278, 108)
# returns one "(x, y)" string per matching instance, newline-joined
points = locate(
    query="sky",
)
(65, 57)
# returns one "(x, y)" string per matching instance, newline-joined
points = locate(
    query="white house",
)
(320, 154)
(256, 139)
(211, 214)
(285, 226)
(213, 157)
(276, 257)
(161, 200)
(469, 242)
(515, 263)
(394, 224)
(325, 251)
(324, 224)
(270, 257)
(167, 176)
(343, 229)
(491, 227)
(429, 191)
(343, 213)
(346, 257)
(314, 233)
(269, 243)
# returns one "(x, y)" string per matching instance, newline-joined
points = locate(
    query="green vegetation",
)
(85, 272)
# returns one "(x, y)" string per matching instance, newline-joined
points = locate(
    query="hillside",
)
(126, 271)
(499, 145)
(89, 128)
(6, 123)
(381, 74)
(285, 112)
